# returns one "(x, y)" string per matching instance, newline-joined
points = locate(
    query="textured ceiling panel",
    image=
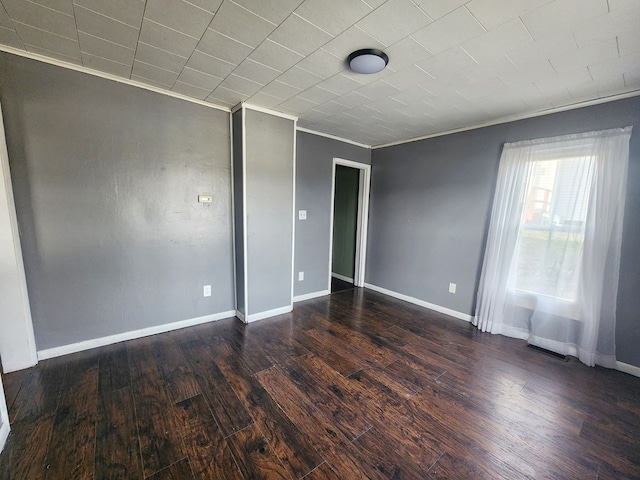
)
(453, 63)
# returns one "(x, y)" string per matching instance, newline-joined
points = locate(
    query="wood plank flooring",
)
(356, 385)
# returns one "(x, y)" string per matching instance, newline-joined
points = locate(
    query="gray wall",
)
(269, 195)
(238, 208)
(314, 167)
(430, 204)
(106, 178)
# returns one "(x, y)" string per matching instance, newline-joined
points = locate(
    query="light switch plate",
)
(205, 198)
(302, 214)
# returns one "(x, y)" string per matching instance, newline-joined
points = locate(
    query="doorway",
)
(349, 214)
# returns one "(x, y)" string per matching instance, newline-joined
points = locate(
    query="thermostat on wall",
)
(205, 198)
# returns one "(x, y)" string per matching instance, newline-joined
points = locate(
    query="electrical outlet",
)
(302, 214)
(452, 288)
(207, 290)
(300, 276)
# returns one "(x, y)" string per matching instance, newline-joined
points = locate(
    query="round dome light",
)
(368, 60)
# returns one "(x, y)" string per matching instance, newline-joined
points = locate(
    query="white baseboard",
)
(342, 277)
(630, 369)
(121, 337)
(4, 433)
(422, 303)
(309, 296)
(269, 313)
(240, 315)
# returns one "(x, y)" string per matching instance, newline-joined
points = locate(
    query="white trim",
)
(236, 108)
(626, 368)
(422, 303)
(332, 137)
(515, 118)
(108, 76)
(4, 418)
(269, 313)
(268, 111)
(121, 337)
(341, 277)
(233, 218)
(364, 185)
(240, 315)
(245, 233)
(4, 433)
(293, 216)
(309, 296)
(19, 345)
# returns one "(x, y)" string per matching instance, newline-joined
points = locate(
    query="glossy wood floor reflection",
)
(352, 386)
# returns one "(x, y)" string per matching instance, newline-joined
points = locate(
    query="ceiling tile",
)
(48, 41)
(394, 20)
(241, 25)
(439, 8)
(179, 15)
(622, 65)
(296, 105)
(256, 72)
(299, 35)
(495, 42)
(41, 17)
(562, 81)
(561, 14)
(102, 48)
(275, 55)
(330, 108)
(263, 100)
(323, 63)
(240, 85)
(209, 5)
(629, 43)
(64, 6)
(377, 90)
(199, 79)
(157, 75)
(449, 31)
(299, 78)
(583, 57)
(484, 88)
(53, 54)
(339, 84)
(632, 79)
(280, 90)
(317, 94)
(105, 27)
(224, 96)
(408, 78)
(618, 22)
(167, 39)
(5, 20)
(222, 47)
(125, 11)
(208, 64)
(534, 72)
(446, 63)
(499, 66)
(405, 53)
(105, 65)
(10, 38)
(273, 10)
(557, 44)
(160, 58)
(190, 90)
(350, 40)
(333, 16)
(492, 13)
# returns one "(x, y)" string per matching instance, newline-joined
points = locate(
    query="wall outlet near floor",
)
(300, 276)
(206, 290)
(452, 288)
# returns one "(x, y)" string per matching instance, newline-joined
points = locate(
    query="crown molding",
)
(332, 137)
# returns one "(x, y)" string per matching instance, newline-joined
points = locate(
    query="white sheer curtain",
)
(551, 265)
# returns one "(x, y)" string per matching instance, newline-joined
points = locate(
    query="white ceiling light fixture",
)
(368, 60)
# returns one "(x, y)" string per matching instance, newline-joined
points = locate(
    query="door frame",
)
(364, 186)
(17, 345)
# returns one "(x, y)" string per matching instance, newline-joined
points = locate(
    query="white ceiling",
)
(453, 63)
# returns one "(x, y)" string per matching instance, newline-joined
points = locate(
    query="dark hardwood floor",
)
(352, 386)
